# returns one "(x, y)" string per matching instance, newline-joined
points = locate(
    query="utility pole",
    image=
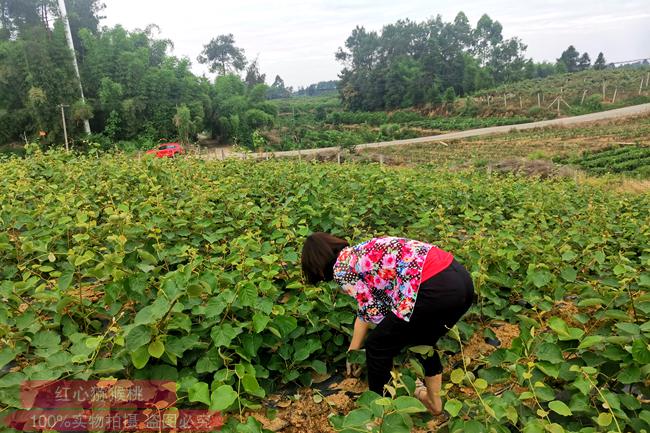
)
(68, 35)
(65, 130)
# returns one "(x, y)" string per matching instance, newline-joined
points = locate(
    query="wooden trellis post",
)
(641, 86)
(539, 99)
(521, 104)
(223, 154)
(614, 98)
(583, 97)
(604, 89)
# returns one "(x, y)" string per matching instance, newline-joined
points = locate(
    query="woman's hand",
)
(352, 368)
(358, 335)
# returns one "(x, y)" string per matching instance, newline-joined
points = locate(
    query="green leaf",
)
(640, 352)
(405, 404)
(549, 352)
(563, 331)
(222, 335)
(555, 428)
(590, 340)
(568, 256)
(140, 357)
(512, 414)
(7, 355)
(629, 328)
(65, 280)
(560, 407)
(318, 366)
(285, 324)
(251, 426)
(540, 278)
(453, 406)
(422, 350)
(473, 427)
(138, 337)
(222, 397)
(252, 386)
(260, 321)
(397, 423)
(248, 294)
(481, 384)
(46, 339)
(199, 392)
(156, 348)
(152, 313)
(304, 348)
(358, 418)
(569, 274)
(457, 375)
(604, 419)
(629, 375)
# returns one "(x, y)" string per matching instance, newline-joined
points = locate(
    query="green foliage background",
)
(198, 262)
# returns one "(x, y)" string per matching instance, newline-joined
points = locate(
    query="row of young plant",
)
(188, 270)
(309, 129)
(633, 160)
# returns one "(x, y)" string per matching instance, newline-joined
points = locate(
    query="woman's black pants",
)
(441, 302)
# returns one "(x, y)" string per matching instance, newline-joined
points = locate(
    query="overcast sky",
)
(297, 39)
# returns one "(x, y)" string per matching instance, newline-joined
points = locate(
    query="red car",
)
(167, 150)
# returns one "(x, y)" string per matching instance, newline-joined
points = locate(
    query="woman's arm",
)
(359, 334)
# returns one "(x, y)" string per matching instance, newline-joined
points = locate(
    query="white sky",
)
(297, 39)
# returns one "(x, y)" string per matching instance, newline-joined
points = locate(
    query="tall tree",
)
(486, 37)
(253, 75)
(569, 59)
(584, 62)
(600, 62)
(222, 56)
(278, 89)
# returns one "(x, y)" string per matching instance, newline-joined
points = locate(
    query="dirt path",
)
(618, 113)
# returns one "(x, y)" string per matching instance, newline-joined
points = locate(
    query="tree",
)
(569, 59)
(253, 75)
(584, 62)
(238, 110)
(486, 36)
(222, 56)
(410, 63)
(183, 123)
(600, 62)
(278, 89)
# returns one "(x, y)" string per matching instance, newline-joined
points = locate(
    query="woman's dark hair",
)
(319, 254)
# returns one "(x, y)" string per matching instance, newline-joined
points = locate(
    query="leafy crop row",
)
(188, 270)
(632, 160)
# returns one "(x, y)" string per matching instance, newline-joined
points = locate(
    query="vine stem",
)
(487, 408)
(609, 406)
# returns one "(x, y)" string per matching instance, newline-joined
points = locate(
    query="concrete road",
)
(618, 113)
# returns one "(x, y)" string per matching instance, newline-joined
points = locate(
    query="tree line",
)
(411, 63)
(135, 90)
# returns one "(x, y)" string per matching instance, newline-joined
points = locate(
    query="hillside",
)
(312, 122)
